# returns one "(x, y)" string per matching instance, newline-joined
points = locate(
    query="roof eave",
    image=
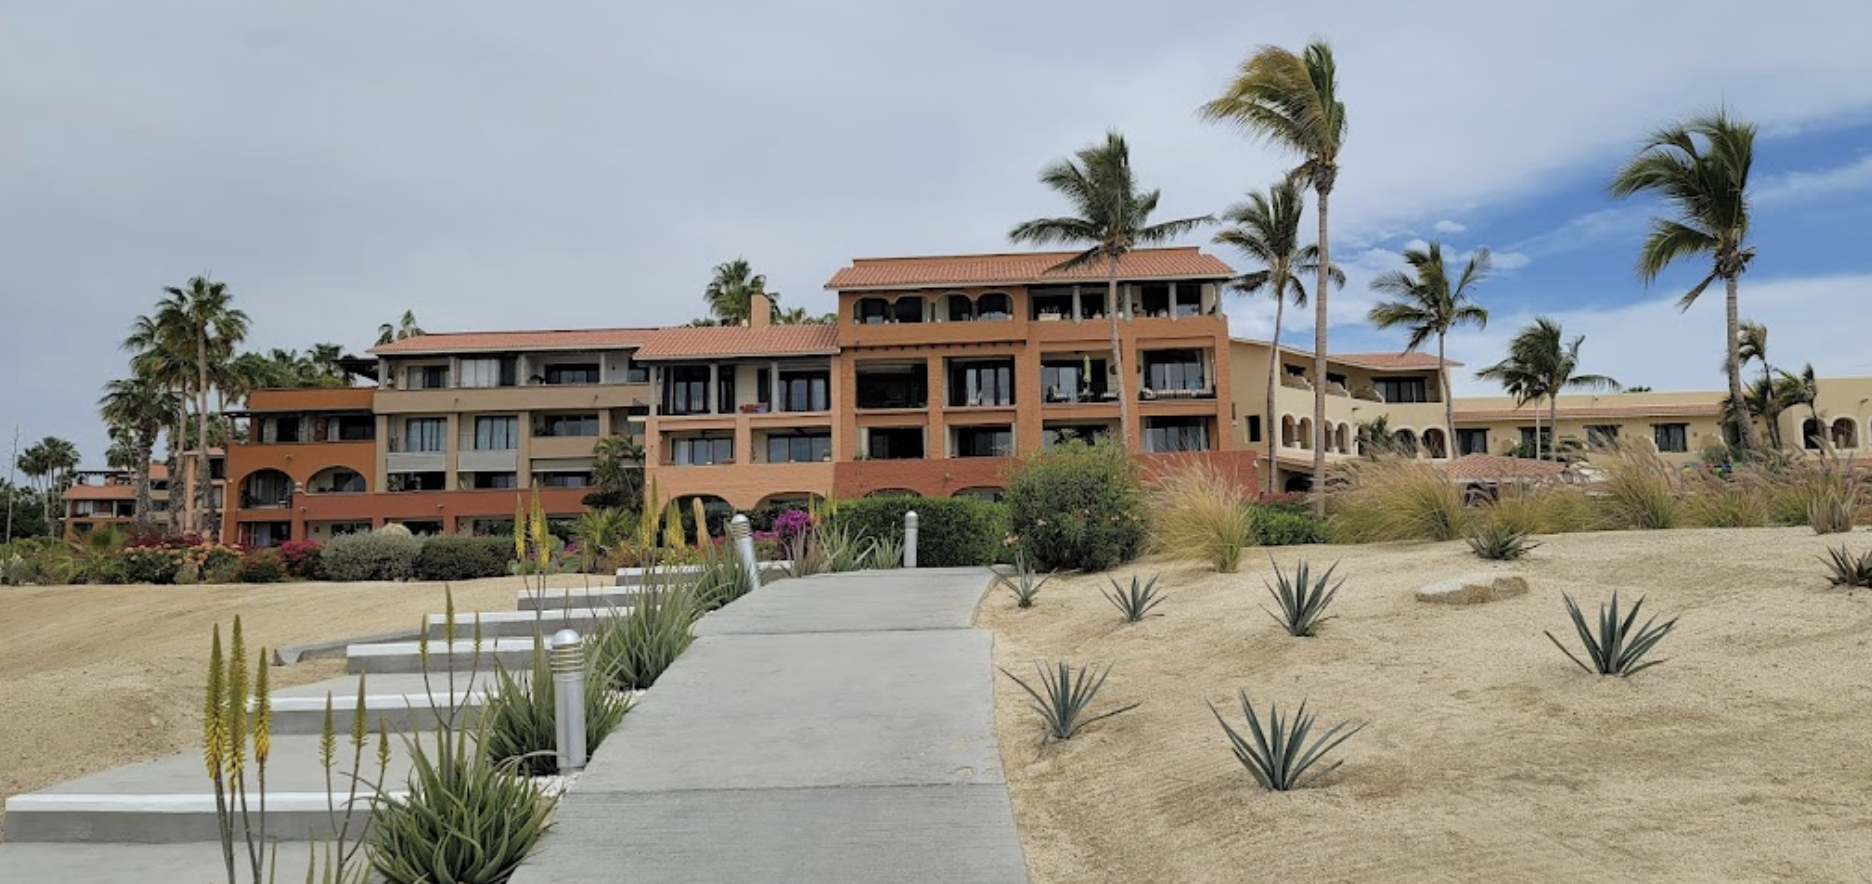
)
(891, 287)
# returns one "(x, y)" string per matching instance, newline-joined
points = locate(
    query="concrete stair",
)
(406, 657)
(524, 624)
(401, 702)
(604, 598)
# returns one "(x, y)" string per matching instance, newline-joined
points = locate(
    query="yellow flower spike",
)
(211, 710)
(358, 717)
(701, 521)
(263, 713)
(234, 710)
(541, 550)
(448, 616)
(328, 736)
(383, 743)
(519, 530)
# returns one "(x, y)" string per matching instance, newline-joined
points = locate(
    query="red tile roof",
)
(719, 342)
(1496, 468)
(1697, 409)
(1022, 267)
(480, 342)
(1390, 361)
(100, 492)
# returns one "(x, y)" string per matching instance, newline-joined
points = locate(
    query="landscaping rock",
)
(1474, 589)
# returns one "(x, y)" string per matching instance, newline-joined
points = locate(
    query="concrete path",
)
(825, 730)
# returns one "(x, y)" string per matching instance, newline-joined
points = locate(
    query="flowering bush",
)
(303, 559)
(261, 566)
(791, 524)
(160, 558)
(1076, 506)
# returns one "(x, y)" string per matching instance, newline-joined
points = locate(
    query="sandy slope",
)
(92, 677)
(1488, 756)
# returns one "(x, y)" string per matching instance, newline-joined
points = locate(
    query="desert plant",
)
(1733, 501)
(886, 553)
(464, 817)
(374, 556)
(601, 531)
(1611, 643)
(1064, 695)
(1822, 492)
(1496, 543)
(1846, 569)
(1136, 600)
(1302, 599)
(1199, 512)
(1397, 499)
(1639, 488)
(1543, 508)
(639, 644)
(1023, 583)
(1276, 752)
(518, 717)
(1077, 506)
(721, 578)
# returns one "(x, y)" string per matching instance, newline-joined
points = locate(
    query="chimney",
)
(760, 311)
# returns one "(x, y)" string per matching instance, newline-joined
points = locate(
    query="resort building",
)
(108, 497)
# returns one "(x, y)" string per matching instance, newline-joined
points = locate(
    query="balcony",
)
(400, 461)
(519, 399)
(497, 460)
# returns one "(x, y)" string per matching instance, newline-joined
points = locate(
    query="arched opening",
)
(994, 306)
(795, 500)
(1343, 435)
(879, 311)
(1406, 442)
(1845, 433)
(1434, 443)
(1810, 434)
(716, 512)
(1299, 483)
(336, 480)
(892, 492)
(870, 311)
(266, 488)
(1305, 431)
(1289, 435)
(958, 307)
(987, 493)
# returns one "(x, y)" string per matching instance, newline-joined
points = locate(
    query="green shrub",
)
(1397, 499)
(261, 566)
(1278, 756)
(1612, 645)
(722, 579)
(1077, 506)
(1198, 512)
(518, 720)
(951, 531)
(460, 557)
(1063, 697)
(374, 556)
(150, 565)
(1281, 526)
(639, 644)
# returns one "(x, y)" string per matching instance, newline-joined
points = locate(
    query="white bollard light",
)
(910, 539)
(568, 674)
(743, 535)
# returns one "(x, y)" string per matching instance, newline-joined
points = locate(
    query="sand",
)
(93, 677)
(1488, 756)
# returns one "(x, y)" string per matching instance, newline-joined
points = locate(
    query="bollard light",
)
(743, 534)
(568, 673)
(910, 539)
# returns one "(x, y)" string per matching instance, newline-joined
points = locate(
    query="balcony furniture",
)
(1050, 316)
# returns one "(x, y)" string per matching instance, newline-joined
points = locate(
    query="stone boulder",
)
(1474, 589)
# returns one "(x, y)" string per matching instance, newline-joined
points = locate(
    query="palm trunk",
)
(1324, 189)
(178, 490)
(1449, 403)
(203, 478)
(1537, 437)
(146, 447)
(1769, 416)
(1269, 421)
(1553, 427)
(1745, 428)
(1117, 348)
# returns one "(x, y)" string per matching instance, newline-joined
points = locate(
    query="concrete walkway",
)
(825, 730)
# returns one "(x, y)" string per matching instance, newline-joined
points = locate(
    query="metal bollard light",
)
(568, 674)
(743, 535)
(910, 539)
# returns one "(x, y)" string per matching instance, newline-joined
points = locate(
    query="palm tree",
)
(730, 295)
(324, 361)
(159, 354)
(1291, 101)
(1427, 305)
(1752, 346)
(204, 307)
(1801, 389)
(1266, 228)
(139, 407)
(49, 464)
(1113, 218)
(1539, 366)
(405, 327)
(1706, 183)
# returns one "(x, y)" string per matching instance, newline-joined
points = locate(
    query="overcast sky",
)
(494, 165)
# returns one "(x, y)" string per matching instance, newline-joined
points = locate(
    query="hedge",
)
(457, 557)
(1276, 526)
(951, 531)
(354, 557)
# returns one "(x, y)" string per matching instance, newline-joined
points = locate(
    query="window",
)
(489, 372)
(1602, 435)
(1062, 434)
(1671, 437)
(425, 434)
(984, 441)
(488, 481)
(893, 386)
(1402, 389)
(572, 373)
(1254, 428)
(279, 429)
(876, 311)
(1529, 441)
(1472, 441)
(428, 377)
(1176, 434)
(569, 425)
(701, 451)
(414, 482)
(984, 382)
(635, 372)
(497, 433)
(686, 390)
(565, 480)
(1073, 380)
(805, 391)
(724, 391)
(355, 429)
(894, 443)
(804, 448)
(1173, 370)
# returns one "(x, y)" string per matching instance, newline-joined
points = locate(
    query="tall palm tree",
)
(49, 463)
(1266, 228)
(1752, 346)
(205, 308)
(324, 361)
(405, 327)
(159, 353)
(139, 407)
(730, 295)
(1292, 102)
(1113, 217)
(1539, 366)
(1801, 389)
(1701, 168)
(1427, 305)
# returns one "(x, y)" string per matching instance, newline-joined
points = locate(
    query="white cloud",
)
(1448, 226)
(1795, 186)
(1509, 260)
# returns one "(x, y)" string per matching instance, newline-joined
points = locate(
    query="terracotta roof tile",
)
(1495, 468)
(100, 492)
(1390, 361)
(718, 342)
(1695, 409)
(1022, 267)
(480, 342)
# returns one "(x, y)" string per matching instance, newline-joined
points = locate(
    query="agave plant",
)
(1064, 695)
(1137, 600)
(519, 716)
(1500, 544)
(1276, 752)
(1024, 583)
(1612, 645)
(886, 553)
(1847, 569)
(1302, 599)
(638, 644)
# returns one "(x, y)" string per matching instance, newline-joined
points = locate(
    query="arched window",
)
(993, 306)
(1304, 429)
(1406, 442)
(336, 480)
(266, 488)
(958, 307)
(1810, 434)
(1845, 433)
(1434, 444)
(1289, 432)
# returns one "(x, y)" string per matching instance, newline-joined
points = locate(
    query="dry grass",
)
(1198, 512)
(1488, 756)
(1640, 488)
(1545, 508)
(1735, 501)
(1397, 499)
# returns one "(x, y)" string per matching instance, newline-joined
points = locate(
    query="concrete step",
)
(525, 624)
(189, 862)
(603, 598)
(171, 800)
(405, 657)
(400, 703)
